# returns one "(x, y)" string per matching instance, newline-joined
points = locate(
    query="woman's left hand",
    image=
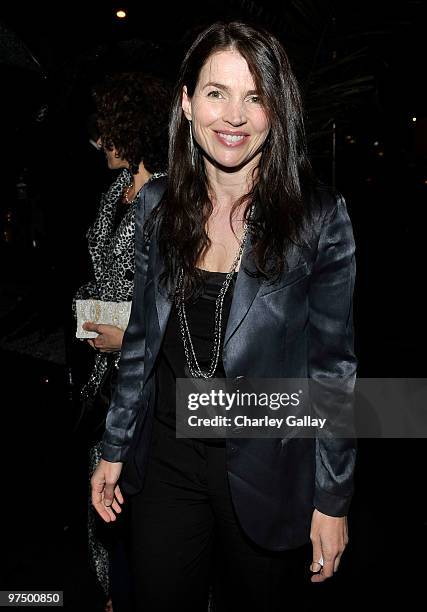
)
(329, 537)
(109, 337)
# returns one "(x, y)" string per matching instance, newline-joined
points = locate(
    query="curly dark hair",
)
(132, 117)
(284, 169)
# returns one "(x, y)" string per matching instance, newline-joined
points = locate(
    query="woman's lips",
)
(232, 139)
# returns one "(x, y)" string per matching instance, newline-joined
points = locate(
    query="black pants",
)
(186, 537)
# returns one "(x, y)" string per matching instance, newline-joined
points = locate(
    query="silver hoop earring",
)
(192, 146)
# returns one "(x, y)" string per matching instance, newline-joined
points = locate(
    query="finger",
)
(316, 566)
(89, 326)
(97, 492)
(317, 556)
(118, 500)
(106, 514)
(326, 572)
(337, 562)
(119, 495)
(116, 506)
(109, 494)
(98, 499)
(328, 568)
(106, 511)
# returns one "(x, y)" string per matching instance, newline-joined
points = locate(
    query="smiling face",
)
(229, 122)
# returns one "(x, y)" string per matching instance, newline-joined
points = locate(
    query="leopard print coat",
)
(112, 252)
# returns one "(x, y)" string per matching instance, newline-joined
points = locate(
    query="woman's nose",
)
(234, 113)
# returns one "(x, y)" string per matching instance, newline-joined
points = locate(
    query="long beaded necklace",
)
(190, 355)
(126, 192)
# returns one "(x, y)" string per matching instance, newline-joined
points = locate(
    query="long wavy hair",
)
(283, 169)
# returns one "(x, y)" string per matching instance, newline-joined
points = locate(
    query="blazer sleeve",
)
(332, 358)
(127, 397)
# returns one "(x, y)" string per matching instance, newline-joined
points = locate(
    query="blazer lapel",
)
(244, 294)
(163, 304)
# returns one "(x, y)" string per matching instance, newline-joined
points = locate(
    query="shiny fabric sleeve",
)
(127, 398)
(332, 358)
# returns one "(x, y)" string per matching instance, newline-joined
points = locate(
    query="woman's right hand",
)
(106, 494)
(109, 339)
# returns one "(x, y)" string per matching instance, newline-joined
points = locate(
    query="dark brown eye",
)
(215, 94)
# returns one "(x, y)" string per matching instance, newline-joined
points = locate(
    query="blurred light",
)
(425, 181)
(376, 143)
(121, 14)
(380, 153)
(41, 113)
(414, 119)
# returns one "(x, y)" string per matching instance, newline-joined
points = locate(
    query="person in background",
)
(250, 274)
(132, 122)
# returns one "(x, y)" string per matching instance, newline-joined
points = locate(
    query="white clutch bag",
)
(97, 311)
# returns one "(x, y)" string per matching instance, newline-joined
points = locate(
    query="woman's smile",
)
(232, 139)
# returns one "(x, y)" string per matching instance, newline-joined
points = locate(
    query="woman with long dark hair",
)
(248, 273)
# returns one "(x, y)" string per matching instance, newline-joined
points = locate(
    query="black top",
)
(172, 363)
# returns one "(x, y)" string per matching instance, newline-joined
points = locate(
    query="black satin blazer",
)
(300, 326)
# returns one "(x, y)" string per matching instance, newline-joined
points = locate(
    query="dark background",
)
(361, 66)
